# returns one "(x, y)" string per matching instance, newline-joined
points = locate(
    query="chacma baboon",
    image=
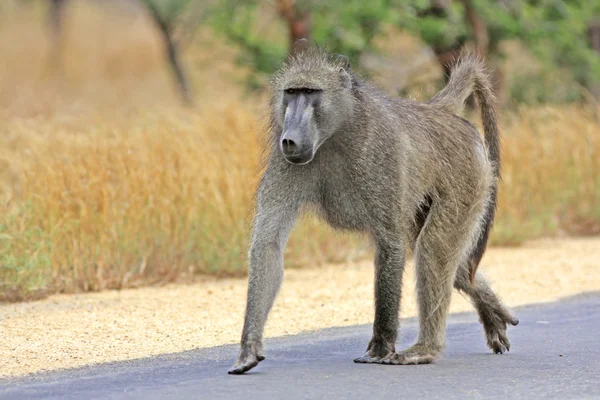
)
(413, 176)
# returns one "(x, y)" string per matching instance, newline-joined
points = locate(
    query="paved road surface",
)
(555, 354)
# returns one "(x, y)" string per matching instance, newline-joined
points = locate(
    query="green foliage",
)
(236, 19)
(546, 86)
(24, 262)
(439, 31)
(168, 10)
(556, 31)
(347, 28)
(553, 30)
(350, 27)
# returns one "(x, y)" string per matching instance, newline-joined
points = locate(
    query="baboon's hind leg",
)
(492, 313)
(439, 250)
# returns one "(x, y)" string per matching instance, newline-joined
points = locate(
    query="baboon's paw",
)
(376, 350)
(367, 360)
(374, 355)
(412, 356)
(495, 330)
(239, 369)
(497, 340)
(250, 355)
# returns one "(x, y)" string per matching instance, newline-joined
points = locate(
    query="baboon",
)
(412, 176)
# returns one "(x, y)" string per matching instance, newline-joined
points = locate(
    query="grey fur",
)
(413, 176)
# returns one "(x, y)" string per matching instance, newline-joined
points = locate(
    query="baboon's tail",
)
(467, 77)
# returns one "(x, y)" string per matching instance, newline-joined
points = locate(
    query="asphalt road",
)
(554, 354)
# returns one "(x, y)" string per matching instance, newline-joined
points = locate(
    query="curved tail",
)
(469, 76)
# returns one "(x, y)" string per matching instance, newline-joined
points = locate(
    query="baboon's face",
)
(310, 107)
(300, 134)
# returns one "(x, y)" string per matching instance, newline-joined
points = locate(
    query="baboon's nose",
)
(289, 146)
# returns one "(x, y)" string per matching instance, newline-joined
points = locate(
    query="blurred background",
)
(131, 130)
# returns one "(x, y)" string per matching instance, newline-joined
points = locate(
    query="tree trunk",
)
(594, 40)
(298, 22)
(177, 68)
(56, 15)
(56, 19)
(172, 53)
(447, 56)
(479, 28)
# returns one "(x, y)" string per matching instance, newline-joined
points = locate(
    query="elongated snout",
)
(290, 144)
(296, 142)
(295, 147)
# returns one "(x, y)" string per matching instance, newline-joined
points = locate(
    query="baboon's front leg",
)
(273, 222)
(389, 268)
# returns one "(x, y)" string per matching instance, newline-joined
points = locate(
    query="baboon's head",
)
(312, 99)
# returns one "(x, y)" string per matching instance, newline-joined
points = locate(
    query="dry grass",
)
(106, 182)
(551, 183)
(150, 199)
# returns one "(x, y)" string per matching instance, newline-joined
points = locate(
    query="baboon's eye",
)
(309, 91)
(290, 91)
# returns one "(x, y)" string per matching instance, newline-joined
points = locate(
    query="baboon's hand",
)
(250, 355)
(376, 350)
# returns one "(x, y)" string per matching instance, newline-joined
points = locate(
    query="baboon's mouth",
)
(298, 159)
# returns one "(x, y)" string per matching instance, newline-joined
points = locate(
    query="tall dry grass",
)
(106, 182)
(551, 174)
(89, 206)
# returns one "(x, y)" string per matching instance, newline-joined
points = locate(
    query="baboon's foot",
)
(250, 355)
(494, 323)
(377, 350)
(417, 354)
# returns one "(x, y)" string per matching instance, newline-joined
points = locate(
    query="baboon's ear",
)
(344, 62)
(300, 46)
(344, 71)
(345, 78)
